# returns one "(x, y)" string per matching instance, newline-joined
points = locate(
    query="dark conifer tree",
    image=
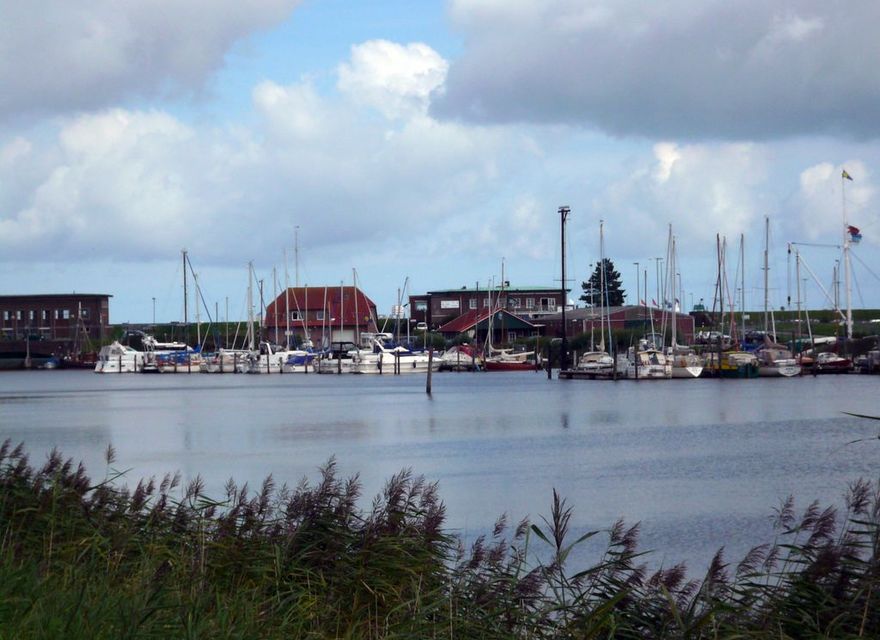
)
(593, 287)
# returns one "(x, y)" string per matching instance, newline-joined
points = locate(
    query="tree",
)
(593, 287)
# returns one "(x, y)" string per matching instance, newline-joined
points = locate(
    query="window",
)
(530, 303)
(45, 314)
(6, 315)
(485, 303)
(472, 303)
(514, 303)
(319, 315)
(19, 314)
(548, 304)
(422, 305)
(83, 313)
(32, 315)
(295, 315)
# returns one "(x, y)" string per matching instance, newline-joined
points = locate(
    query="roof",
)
(475, 317)
(34, 296)
(339, 303)
(484, 289)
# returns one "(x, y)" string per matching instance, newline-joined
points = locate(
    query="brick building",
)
(62, 317)
(322, 314)
(438, 308)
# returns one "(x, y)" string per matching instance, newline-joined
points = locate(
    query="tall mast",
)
(250, 301)
(766, 271)
(844, 176)
(602, 279)
(296, 254)
(672, 268)
(286, 304)
(357, 318)
(185, 318)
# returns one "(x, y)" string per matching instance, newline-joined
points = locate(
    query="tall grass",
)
(97, 560)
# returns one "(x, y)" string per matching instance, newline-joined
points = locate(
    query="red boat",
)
(828, 362)
(509, 365)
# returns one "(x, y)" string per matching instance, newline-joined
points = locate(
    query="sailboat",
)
(504, 359)
(596, 364)
(686, 364)
(774, 359)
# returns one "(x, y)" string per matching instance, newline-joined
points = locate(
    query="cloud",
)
(396, 80)
(57, 56)
(135, 185)
(680, 70)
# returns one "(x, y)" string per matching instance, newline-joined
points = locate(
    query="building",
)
(58, 317)
(438, 308)
(634, 318)
(477, 323)
(320, 314)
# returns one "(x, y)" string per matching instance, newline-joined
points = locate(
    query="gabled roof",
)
(338, 303)
(476, 317)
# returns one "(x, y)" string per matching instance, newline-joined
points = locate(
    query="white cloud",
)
(57, 55)
(395, 79)
(684, 70)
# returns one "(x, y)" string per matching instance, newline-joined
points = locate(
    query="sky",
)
(429, 145)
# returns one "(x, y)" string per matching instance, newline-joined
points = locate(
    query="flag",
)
(654, 302)
(845, 175)
(854, 235)
(644, 304)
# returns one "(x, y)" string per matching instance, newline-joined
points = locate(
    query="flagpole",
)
(844, 176)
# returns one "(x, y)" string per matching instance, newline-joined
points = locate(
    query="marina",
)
(700, 464)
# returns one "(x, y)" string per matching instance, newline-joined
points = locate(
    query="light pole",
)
(154, 311)
(563, 356)
(638, 286)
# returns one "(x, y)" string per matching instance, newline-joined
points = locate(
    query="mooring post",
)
(430, 369)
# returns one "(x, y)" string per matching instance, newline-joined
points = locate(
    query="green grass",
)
(95, 560)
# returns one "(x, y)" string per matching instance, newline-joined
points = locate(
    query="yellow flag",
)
(844, 174)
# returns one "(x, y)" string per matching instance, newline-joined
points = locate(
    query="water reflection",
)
(699, 463)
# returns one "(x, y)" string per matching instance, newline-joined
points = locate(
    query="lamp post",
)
(563, 356)
(638, 286)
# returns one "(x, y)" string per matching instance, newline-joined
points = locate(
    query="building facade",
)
(61, 317)
(634, 318)
(438, 308)
(319, 314)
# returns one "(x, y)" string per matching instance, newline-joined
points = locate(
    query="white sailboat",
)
(686, 364)
(774, 360)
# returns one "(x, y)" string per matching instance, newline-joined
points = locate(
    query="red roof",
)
(471, 318)
(338, 304)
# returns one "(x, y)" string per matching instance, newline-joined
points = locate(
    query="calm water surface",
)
(700, 463)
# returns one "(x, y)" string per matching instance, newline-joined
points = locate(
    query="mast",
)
(250, 301)
(602, 287)
(766, 272)
(357, 318)
(185, 319)
(296, 254)
(844, 176)
(286, 304)
(563, 356)
(672, 258)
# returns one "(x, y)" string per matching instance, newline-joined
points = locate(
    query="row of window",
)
(548, 304)
(43, 314)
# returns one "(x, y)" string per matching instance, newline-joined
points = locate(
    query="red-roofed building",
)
(323, 314)
(476, 323)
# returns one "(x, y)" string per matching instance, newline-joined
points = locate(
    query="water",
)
(700, 463)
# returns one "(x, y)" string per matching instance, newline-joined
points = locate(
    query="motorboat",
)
(119, 358)
(830, 362)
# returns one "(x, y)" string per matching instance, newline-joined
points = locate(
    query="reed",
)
(100, 560)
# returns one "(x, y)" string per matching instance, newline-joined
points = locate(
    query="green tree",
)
(593, 287)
